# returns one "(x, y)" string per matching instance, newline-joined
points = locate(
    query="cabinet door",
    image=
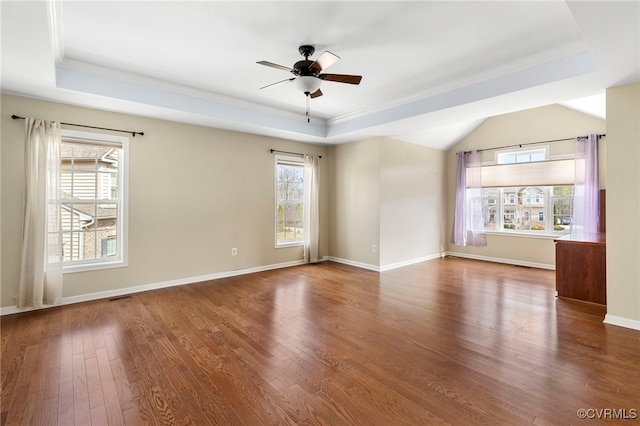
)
(581, 271)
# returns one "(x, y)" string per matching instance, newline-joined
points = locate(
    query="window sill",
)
(87, 267)
(544, 236)
(291, 244)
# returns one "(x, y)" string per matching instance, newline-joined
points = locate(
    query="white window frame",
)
(549, 231)
(502, 155)
(547, 212)
(284, 159)
(121, 260)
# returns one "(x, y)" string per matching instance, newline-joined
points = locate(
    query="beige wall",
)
(412, 181)
(538, 124)
(623, 205)
(194, 193)
(354, 213)
(389, 194)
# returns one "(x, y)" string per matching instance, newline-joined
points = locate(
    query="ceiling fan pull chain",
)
(307, 111)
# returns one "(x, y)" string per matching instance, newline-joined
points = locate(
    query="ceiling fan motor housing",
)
(308, 73)
(301, 68)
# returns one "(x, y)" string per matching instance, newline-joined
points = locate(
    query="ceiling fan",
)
(308, 74)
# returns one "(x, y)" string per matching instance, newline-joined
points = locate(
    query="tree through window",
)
(289, 200)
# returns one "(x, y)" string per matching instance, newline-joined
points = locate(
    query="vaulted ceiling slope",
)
(432, 71)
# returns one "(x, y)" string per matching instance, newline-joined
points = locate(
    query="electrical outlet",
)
(234, 251)
(374, 248)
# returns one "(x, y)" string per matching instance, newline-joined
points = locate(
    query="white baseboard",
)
(354, 263)
(501, 260)
(384, 268)
(410, 262)
(622, 322)
(7, 310)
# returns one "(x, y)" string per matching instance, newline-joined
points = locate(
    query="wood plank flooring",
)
(449, 341)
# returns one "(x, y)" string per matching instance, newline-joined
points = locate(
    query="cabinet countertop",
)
(584, 238)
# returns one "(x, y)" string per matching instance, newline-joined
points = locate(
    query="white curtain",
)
(468, 219)
(311, 208)
(586, 198)
(41, 267)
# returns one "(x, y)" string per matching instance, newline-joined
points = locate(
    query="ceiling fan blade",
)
(272, 65)
(341, 78)
(316, 94)
(324, 61)
(278, 82)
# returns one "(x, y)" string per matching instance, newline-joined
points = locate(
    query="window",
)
(562, 199)
(525, 209)
(109, 247)
(521, 156)
(93, 186)
(526, 192)
(510, 198)
(289, 201)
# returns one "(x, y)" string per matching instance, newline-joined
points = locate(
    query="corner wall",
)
(623, 206)
(388, 194)
(354, 212)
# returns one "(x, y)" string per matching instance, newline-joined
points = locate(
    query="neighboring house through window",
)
(289, 228)
(93, 194)
(510, 207)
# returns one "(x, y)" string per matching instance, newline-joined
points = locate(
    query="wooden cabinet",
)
(581, 267)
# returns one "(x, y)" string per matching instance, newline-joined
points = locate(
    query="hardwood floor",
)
(448, 341)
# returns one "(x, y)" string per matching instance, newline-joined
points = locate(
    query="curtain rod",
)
(536, 143)
(288, 152)
(17, 117)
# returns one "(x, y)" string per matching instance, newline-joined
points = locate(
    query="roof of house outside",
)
(83, 152)
(97, 212)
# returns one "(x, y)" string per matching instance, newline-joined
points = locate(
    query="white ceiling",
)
(432, 71)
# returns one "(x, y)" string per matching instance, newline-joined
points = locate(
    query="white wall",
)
(194, 193)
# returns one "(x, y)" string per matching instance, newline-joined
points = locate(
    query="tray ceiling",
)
(432, 71)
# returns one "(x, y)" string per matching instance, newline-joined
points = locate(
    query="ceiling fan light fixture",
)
(307, 84)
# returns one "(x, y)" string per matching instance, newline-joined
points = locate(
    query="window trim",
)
(282, 159)
(524, 234)
(122, 224)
